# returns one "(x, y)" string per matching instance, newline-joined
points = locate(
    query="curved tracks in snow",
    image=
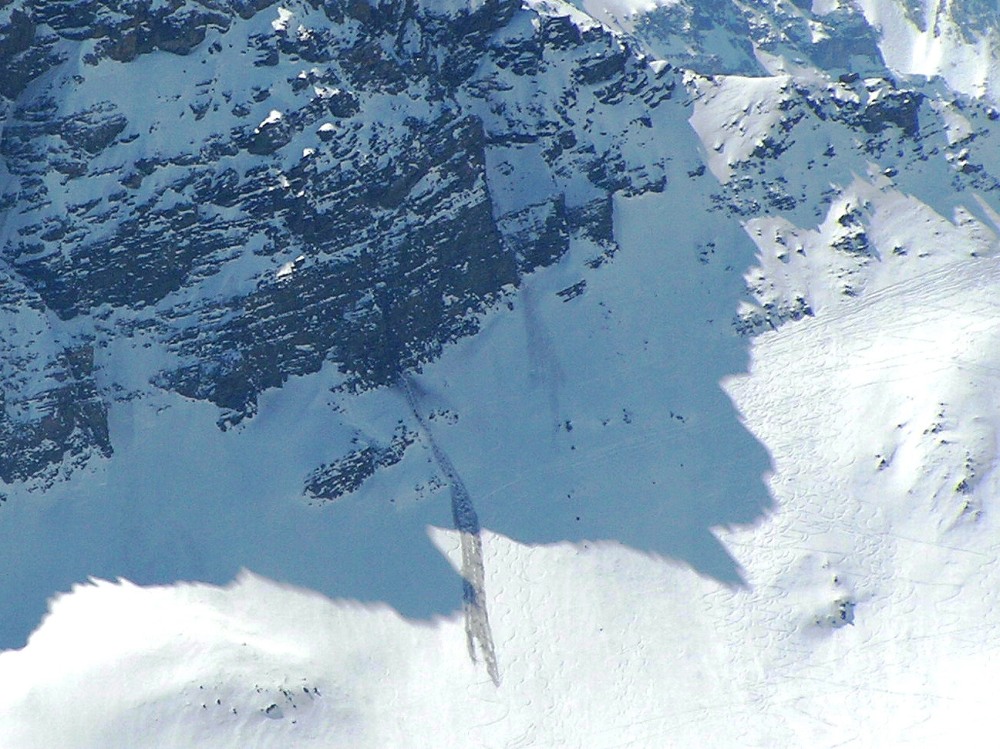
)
(930, 291)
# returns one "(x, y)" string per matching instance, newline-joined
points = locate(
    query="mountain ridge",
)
(659, 333)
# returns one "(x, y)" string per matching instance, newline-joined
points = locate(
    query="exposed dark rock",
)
(93, 130)
(899, 108)
(268, 137)
(571, 292)
(770, 316)
(25, 52)
(331, 481)
(387, 239)
(66, 421)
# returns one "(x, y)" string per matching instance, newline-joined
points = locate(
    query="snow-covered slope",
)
(595, 375)
(867, 616)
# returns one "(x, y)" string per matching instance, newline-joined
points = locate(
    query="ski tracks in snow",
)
(477, 623)
(931, 292)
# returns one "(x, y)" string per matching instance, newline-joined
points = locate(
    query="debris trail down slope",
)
(477, 623)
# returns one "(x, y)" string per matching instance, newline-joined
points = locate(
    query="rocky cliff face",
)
(252, 190)
(258, 190)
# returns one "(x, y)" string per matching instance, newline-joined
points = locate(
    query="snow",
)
(964, 57)
(621, 14)
(325, 92)
(825, 7)
(733, 115)
(869, 477)
(280, 24)
(899, 229)
(273, 117)
(956, 124)
(604, 646)
(688, 538)
(287, 269)
(696, 611)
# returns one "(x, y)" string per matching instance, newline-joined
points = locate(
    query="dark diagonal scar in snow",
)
(477, 623)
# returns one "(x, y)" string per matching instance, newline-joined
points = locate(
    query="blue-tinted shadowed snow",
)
(184, 501)
(583, 417)
(600, 417)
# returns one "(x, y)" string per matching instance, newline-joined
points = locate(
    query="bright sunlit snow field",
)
(691, 539)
